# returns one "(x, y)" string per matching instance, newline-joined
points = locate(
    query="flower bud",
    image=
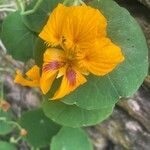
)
(23, 132)
(4, 105)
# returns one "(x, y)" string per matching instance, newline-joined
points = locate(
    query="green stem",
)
(32, 148)
(73, 2)
(15, 123)
(18, 139)
(1, 90)
(7, 10)
(2, 118)
(28, 12)
(81, 2)
(11, 122)
(6, 6)
(21, 5)
(66, 2)
(15, 141)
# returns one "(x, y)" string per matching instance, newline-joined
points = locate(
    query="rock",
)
(128, 127)
(145, 2)
(98, 140)
(125, 132)
(138, 107)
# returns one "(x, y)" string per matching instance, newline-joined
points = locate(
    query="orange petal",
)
(46, 81)
(103, 58)
(53, 54)
(53, 62)
(71, 80)
(32, 82)
(83, 25)
(52, 32)
(34, 73)
(62, 71)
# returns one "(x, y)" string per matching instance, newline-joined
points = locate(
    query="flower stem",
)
(1, 90)
(15, 140)
(20, 5)
(28, 12)
(11, 122)
(15, 124)
(6, 6)
(81, 2)
(73, 2)
(7, 10)
(32, 148)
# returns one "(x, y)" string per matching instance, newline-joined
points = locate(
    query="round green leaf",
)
(71, 139)
(17, 38)
(97, 93)
(38, 18)
(40, 128)
(123, 30)
(73, 116)
(7, 146)
(5, 126)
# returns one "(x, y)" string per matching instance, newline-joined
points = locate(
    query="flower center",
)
(71, 56)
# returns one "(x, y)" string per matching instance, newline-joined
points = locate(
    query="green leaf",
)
(5, 126)
(123, 30)
(40, 128)
(71, 139)
(17, 38)
(7, 146)
(38, 19)
(97, 93)
(73, 116)
(39, 50)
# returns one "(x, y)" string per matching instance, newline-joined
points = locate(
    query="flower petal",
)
(53, 54)
(102, 59)
(33, 74)
(52, 31)
(46, 81)
(83, 25)
(71, 80)
(53, 61)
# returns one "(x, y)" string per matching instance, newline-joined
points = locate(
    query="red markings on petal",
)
(52, 66)
(71, 76)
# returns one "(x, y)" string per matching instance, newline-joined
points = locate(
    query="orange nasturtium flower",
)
(78, 45)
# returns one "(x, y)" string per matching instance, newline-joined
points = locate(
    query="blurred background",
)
(128, 128)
